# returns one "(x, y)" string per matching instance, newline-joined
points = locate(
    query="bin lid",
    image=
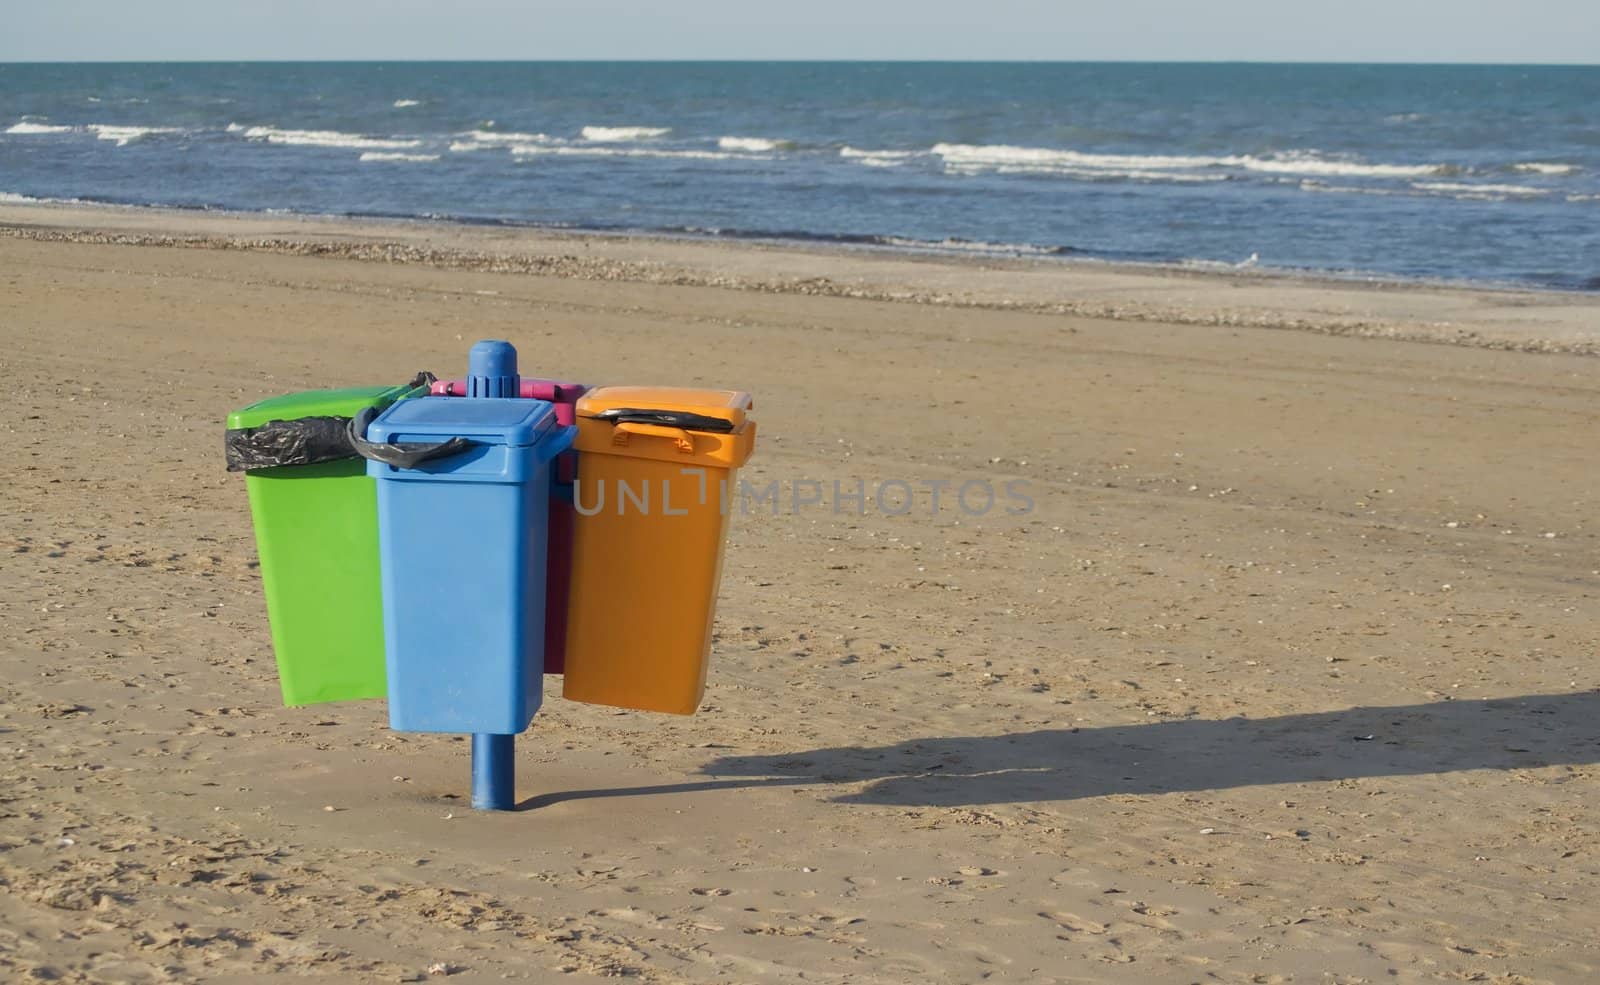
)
(486, 420)
(732, 406)
(555, 391)
(346, 402)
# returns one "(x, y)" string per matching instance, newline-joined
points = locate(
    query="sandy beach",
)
(1288, 676)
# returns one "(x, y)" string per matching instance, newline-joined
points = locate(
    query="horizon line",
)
(797, 61)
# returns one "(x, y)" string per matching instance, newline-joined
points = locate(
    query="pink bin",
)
(559, 571)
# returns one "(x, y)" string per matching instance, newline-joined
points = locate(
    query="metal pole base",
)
(494, 785)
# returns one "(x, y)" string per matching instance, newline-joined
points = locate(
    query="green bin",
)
(316, 519)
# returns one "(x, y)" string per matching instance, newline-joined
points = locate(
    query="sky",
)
(1533, 31)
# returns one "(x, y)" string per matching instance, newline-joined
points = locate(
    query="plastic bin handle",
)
(406, 456)
(667, 418)
(684, 440)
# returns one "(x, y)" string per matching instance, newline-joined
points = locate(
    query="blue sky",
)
(1566, 31)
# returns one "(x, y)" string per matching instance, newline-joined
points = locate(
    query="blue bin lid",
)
(489, 421)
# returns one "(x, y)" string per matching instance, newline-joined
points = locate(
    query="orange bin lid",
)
(662, 418)
(730, 405)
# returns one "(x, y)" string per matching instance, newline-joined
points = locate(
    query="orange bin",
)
(657, 479)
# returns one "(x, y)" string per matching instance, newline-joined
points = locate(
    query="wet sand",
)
(1287, 677)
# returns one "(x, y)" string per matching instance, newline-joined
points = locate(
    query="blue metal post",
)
(494, 786)
(492, 372)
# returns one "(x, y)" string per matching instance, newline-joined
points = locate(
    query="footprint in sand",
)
(630, 914)
(1152, 915)
(838, 919)
(1072, 922)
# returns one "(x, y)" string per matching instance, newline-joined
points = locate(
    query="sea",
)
(1485, 174)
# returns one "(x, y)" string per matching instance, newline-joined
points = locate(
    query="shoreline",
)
(1526, 319)
(954, 248)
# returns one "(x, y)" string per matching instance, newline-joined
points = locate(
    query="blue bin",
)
(462, 545)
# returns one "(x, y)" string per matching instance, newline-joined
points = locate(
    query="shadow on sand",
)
(1523, 732)
(1069, 763)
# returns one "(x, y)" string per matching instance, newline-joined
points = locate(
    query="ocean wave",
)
(754, 145)
(36, 128)
(1312, 185)
(123, 136)
(328, 138)
(958, 245)
(877, 158)
(488, 139)
(1462, 188)
(1459, 190)
(1308, 162)
(406, 103)
(1251, 262)
(531, 150)
(387, 155)
(1088, 174)
(1540, 167)
(120, 135)
(617, 135)
(1044, 160)
(12, 198)
(1008, 155)
(954, 244)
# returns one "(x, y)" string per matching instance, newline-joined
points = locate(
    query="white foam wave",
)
(36, 128)
(125, 135)
(1540, 167)
(1583, 198)
(753, 145)
(1007, 155)
(12, 198)
(1462, 188)
(389, 155)
(1043, 159)
(877, 158)
(617, 135)
(406, 103)
(1312, 185)
(530, 150)
(328, 138)
(1305, 162)
(1088, 174)
(487, 139)
(969, 246)
(235, 128)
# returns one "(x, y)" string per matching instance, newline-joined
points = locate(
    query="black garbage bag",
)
(303, 441)
(687, 420)
(306, 441)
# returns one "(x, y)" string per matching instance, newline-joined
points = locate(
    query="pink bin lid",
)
(563, 395)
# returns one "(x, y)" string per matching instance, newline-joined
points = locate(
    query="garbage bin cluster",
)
(446, 544)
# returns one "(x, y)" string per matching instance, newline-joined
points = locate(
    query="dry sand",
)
(1289, 677)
